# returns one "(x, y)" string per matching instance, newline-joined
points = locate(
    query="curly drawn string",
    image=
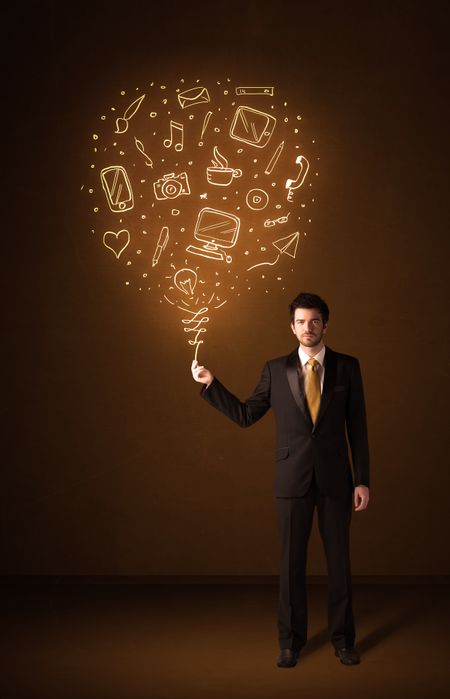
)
(197, 327)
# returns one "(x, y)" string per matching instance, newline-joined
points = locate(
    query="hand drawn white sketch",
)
(255, 91)
(204, 126)
(240, 178)
(117, 242)
(286, 246)
(140, 147)
(160, 245)
(268, 223)
(274, 159)
(117, 188)
(122, 122)
(196, 95)
(171, 186)
(252, 126)
(177, 135)
(186, 280)
(296, 183)
(218, 231)
(220, 174)
(257, 199)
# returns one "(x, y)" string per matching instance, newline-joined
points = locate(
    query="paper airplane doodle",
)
(286, 246)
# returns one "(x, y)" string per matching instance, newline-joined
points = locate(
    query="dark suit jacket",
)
(301, 447)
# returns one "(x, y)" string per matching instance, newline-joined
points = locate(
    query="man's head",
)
(309, 319)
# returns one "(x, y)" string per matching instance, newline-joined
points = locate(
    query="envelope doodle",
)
(196, 95)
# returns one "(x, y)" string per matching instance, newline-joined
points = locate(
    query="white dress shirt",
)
(304, 358)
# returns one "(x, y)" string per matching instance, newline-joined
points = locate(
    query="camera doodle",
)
(172, 186)
(239, 163)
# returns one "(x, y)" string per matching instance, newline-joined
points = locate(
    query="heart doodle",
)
(118, 241)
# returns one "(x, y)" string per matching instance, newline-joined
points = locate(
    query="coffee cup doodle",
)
(220, 174)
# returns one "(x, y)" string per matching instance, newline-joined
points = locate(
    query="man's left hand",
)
(361, 497)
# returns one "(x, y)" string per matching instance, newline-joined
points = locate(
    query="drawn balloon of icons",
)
(191, 121)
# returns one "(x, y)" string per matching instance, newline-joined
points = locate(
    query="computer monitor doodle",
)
(215, 229)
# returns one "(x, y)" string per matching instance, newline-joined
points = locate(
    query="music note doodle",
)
(177, 135)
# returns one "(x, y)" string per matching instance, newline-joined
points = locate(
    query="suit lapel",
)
(330, 364)
(292, 376)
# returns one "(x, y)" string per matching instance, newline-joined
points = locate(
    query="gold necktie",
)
(312, 388)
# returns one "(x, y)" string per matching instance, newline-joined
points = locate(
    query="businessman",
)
(318, 402)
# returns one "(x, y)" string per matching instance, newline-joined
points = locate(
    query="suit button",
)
(313, 436)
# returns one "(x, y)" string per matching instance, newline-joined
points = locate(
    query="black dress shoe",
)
(288, 657)
(347, 656)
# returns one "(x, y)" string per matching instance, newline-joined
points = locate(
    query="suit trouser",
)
(295, 516)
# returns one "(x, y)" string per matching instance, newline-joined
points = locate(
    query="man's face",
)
(308, 326)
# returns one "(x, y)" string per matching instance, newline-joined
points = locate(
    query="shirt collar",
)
(305, 357)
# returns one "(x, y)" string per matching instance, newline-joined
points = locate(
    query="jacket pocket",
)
(339, 388)
(281, 453)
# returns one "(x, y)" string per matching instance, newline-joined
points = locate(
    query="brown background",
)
(113, 464)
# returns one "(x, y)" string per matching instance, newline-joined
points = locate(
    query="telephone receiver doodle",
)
(292, 185)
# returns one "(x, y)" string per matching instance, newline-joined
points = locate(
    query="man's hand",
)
(200, 374)
(361, 497)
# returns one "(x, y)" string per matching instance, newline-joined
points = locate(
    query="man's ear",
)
(293, 328)
(325, 327)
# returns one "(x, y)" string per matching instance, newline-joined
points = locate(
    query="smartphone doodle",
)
(117, 188)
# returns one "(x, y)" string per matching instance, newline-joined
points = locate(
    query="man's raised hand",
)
(200, 374)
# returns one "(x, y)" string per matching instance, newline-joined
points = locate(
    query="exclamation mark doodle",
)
(205, 126)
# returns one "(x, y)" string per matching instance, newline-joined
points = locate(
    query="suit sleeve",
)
(243, 413)
(357, 427)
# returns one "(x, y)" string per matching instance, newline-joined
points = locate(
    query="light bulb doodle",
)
(186, 280)
(122, 122)
(292, 185)
(225, 153)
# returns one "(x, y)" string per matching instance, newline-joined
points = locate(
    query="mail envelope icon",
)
(196, 95)
(252, 126)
